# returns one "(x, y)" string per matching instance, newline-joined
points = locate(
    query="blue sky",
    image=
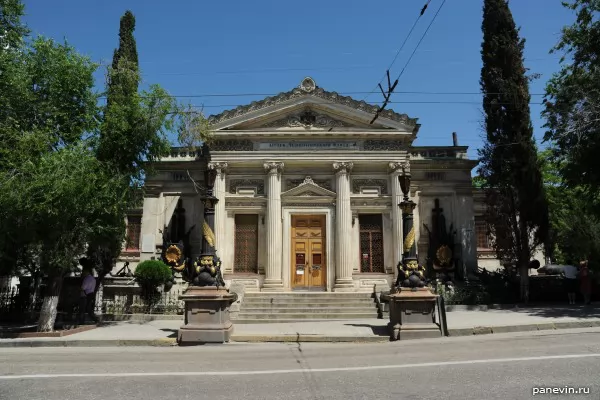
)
(266, 47)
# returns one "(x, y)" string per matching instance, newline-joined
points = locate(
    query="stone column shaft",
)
(344, 252)
(273, 269)
(220, 216)
(396, 170)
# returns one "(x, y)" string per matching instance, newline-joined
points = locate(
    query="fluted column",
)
(220, 216)
(273, 270)
(395, 171)
(343, 259)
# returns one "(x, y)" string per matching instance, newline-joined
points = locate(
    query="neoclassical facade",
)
(308, 194)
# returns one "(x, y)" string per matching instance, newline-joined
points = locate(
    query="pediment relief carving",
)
(308, 188)
(306, 119)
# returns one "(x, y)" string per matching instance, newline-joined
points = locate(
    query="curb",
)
(307, 339)
(90, 343)
(484, 330)
(167, 342)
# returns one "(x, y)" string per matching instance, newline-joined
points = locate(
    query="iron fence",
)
(130, 303)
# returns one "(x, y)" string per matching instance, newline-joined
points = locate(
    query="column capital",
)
(220, 167)
(273, 167)
(343, 166)
(399, 166)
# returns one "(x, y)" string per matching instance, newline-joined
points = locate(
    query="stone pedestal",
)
(412, 314)
(206, 316)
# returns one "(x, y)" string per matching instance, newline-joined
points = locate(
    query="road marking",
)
(295, 371)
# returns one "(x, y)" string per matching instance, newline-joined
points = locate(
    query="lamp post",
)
(412, 305)
(410, 274)
(206, 300)
(208, 226)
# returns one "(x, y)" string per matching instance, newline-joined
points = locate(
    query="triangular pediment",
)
(309, 107)
(308, 188)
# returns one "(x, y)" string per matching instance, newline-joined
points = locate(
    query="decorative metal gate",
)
(371, 243)
(246, 243)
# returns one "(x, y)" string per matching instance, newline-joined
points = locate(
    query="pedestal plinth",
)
(206, 316)
(412, 314)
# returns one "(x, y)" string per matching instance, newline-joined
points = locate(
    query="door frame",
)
(323, 219)
(286, 256)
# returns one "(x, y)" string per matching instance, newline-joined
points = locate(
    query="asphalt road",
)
(508, 366)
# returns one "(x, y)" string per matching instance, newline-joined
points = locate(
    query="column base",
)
(272, 286)
(344, 285)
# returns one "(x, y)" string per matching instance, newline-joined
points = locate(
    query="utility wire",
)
(421, 40)
(400, 49)
(341, 93)
(391, 102)
(391, 87)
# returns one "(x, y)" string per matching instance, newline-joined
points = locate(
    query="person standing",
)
(86, 298)
(585, 284)
(570, 276)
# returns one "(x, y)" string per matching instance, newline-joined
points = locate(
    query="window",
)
(481, 230)
(371, 243)
(134, 228)
(246, 243)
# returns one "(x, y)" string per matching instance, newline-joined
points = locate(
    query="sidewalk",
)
(460, 323)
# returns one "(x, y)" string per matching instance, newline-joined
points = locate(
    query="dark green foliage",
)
(575, 227)
(152, 272)
(573, 101)
(150, 275)
(134, 125)
(509, 168)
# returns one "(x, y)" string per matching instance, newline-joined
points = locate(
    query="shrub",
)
(150, 275)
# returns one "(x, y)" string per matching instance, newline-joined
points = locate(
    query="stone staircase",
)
(259, 308)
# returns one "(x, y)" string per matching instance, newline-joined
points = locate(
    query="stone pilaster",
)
(343, 262)
(220, 216)
(273, 268)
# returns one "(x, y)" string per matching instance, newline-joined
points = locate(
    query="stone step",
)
(328, 295)
(283, 320)
(309, 302)
(311, 310)
(305, 316)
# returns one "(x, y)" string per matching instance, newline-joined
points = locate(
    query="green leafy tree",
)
(509, 168)
(572, 102)
(574, 228)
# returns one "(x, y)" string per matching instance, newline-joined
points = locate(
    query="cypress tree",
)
(125, 61)
(517, 210)
(119, 144)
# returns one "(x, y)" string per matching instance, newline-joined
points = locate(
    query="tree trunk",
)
(524, 259)
(50, 305)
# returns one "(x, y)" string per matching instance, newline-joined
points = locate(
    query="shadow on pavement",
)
(173, 332)
(379, 330)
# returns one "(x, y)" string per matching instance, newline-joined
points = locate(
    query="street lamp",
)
(410, 274)
(207, 268)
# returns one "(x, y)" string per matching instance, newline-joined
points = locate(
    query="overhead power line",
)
(390, 102)
(399, 50)
(391, 88)
(207, 95)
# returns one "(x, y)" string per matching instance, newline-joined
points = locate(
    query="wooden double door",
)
(309, 268)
